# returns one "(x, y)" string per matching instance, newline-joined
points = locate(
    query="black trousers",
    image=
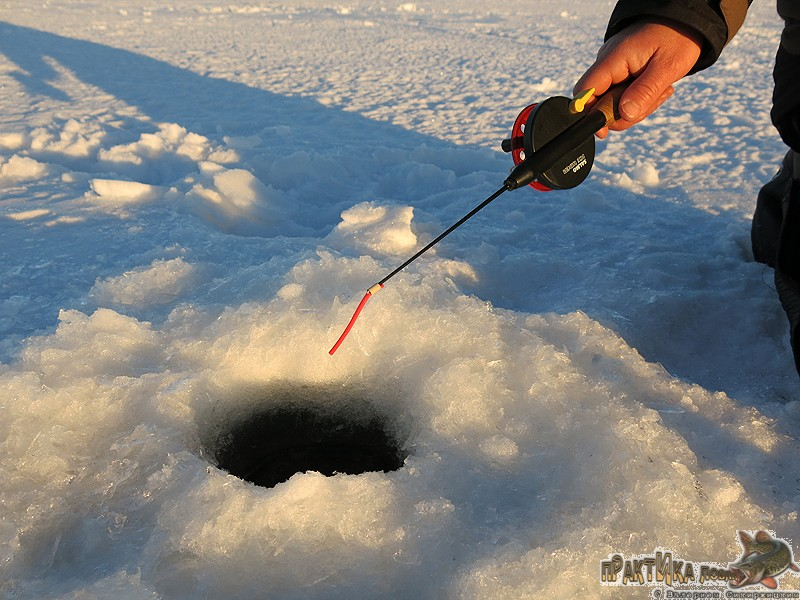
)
(775, 236)
(776, 222)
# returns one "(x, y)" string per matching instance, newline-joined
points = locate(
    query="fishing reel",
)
(538, 124)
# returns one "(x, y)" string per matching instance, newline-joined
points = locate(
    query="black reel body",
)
(539, 123)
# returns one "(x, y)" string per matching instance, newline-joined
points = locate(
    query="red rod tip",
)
(352, 322)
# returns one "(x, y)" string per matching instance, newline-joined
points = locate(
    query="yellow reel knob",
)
(579, 102)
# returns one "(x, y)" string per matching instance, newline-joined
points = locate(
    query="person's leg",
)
(768, 217)
(787, 267)
(775, 236)
(789, 293)
(788, 256)
(776, 222)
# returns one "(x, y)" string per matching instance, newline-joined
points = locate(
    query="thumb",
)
(642, 96)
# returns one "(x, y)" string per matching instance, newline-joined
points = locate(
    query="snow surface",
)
(193, 198)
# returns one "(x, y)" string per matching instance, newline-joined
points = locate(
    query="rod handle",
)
(608, 103)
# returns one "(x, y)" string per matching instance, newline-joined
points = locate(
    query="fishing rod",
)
(552, 146)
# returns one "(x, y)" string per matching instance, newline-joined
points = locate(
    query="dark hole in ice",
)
(277, 440)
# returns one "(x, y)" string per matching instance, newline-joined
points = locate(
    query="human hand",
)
(655, 54)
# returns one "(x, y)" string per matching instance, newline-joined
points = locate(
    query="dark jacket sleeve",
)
(786, 95)
(717, 21)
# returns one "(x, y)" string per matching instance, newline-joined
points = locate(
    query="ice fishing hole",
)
(302, 429)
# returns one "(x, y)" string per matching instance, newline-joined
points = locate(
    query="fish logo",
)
(764, 558)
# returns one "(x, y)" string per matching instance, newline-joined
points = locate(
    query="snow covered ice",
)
(193, 198)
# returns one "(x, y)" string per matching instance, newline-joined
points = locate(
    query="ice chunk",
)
(170, 138)
(164, 155)
(105, 342)
(13, 140)
(236, 201)
(162, 281)
(114, 191)
(76, 139)
(375, 228)
(645, 173)
(21, 168)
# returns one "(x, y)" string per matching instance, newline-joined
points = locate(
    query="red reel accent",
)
(518, 146)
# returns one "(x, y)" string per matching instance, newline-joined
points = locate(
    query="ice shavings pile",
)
(521, 428)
